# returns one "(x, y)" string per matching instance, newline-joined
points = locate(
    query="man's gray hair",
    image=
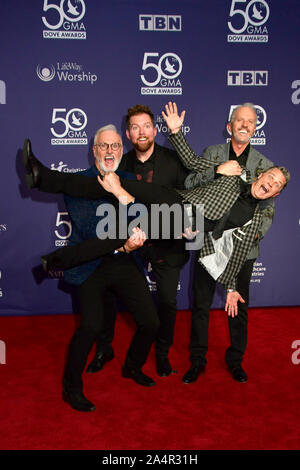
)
(244, 105)
(109, 127)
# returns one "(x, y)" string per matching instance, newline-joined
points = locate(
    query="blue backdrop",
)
(71, 66)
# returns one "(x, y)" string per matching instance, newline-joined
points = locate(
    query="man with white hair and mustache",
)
(151, 162)
(231, 157)
(116, 273)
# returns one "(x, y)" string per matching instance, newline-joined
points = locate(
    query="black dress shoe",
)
(78, 401)
(138, 376)
(193, 373)
(239, 374)
(32, 166)
(99, 361)
(163, 367)
(51, 261)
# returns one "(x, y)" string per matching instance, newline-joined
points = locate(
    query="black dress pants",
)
(167, 279)
(204, 289)
(120, 274)
(88, 250)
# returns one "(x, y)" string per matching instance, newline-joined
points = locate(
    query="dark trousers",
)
(120, 274)
(204, 289)
(167, 279)
(82, 186)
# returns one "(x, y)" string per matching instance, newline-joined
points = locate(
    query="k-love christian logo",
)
(63, 19)
(2, 92)
(259, 137)
(68, 127)
(248, 20)
(70, 72)
(161, 74)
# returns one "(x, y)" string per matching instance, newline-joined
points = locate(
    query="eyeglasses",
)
(104, 146)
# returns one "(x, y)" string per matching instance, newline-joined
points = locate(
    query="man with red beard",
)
(151, 162)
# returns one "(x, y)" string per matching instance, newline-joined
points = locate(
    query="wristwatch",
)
(230, 290)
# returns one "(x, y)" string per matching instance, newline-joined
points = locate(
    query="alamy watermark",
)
(296, 354)
(2, 352)
(161, 222)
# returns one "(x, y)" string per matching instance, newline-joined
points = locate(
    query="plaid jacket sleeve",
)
(187, 155)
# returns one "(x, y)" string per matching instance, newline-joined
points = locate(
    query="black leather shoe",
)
(193, 373)
(138, 376)
(163, 367)
(52, 260)
(78, 401)
(99, 361)
(239, 374)
(32, 166)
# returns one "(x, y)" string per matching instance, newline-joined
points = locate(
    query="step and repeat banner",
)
(69, 67)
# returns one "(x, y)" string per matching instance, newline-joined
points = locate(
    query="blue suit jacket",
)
(82, 213)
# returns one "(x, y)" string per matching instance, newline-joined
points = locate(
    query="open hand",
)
(172, 118)
(232, 300)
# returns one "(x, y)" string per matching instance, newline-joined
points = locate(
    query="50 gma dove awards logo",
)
(161, 74)
(247, 21)
(63, 19)
(68, 127)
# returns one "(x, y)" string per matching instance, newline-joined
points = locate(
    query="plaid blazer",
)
(256, 162)
(218, 196)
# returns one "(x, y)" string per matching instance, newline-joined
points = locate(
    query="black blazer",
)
(168, 171)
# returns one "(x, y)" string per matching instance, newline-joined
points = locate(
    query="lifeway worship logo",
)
(68, 127)
(160, 23)
(259, 137)
(2, 92)
(248, 22)
(161, 75)
(65, 72)
(63, 20)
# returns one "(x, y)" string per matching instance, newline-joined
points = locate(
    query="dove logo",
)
(64, 21)
(2, 92)
(160, 22)
(163, 73)
(69, 127)
(247, 25)
(259, 136)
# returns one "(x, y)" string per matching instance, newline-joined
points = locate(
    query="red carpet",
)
(214, 413)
